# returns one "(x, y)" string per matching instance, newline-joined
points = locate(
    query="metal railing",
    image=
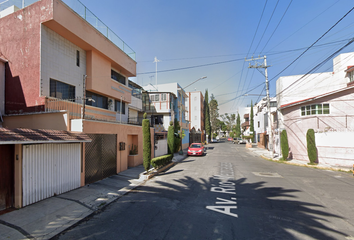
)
(86, 14)
(17, 3)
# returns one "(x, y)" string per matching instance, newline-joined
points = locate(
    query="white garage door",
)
(49, 169)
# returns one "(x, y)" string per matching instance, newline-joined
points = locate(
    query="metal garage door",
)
(49, 169)
(100, 157)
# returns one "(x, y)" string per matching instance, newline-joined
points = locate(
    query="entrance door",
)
(6, 176)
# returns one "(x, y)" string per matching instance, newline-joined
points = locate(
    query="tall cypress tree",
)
(251, 122)
(146, 143)
(206, 115)
(238, 125)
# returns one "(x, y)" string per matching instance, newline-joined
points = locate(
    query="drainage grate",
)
(267, 174)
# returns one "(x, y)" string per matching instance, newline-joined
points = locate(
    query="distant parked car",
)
(239, 141)
(229, 139)
(214, 140)
(196, 149)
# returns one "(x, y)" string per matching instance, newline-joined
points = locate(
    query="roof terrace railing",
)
(86, 14)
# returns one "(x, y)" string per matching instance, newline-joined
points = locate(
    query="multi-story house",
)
(67, 71)
(261, 117)
(322, 102)
(195, 114)
(170, 108)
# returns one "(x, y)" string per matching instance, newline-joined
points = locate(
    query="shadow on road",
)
(176, 209)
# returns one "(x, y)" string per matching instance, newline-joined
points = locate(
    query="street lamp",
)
(195, 81)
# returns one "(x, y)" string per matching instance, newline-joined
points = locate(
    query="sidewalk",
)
(264, 153)
(49, 217)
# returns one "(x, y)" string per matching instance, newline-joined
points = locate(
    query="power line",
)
(312, 45)
(276, 26)
(204, 65)
(305, 25)
(267, 26)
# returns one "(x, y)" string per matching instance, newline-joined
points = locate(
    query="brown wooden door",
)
(6, 176)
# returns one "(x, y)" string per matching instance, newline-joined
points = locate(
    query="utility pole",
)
(156, 61)
(264, 65)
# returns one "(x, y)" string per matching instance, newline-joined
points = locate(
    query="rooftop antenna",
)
(156, 61)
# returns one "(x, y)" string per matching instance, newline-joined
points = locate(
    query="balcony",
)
(75, 111)
(86, 14)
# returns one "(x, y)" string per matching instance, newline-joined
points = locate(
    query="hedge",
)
(161, 161)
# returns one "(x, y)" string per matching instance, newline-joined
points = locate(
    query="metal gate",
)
(195, 137)
(6, 176)
(49, 169)
(100, 157)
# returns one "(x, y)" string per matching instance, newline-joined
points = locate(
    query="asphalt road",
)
(230, 194)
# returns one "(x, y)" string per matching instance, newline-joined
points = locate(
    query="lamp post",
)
(195, 81)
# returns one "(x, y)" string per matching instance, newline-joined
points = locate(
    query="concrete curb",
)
(306, 165)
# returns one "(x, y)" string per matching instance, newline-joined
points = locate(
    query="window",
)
(259, 124)
(157, 97)
(118, 77)
(62, 90)
(96, 100)
(351, 76)
(273, 104)
(78, 58)
(315, 109)
(117, 107)
(163, 97)
(158, 119)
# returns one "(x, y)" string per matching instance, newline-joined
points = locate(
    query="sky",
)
(197, 38)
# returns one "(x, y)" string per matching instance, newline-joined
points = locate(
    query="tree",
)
(146, 143)
(206, 115)
(214, 113)
(284, 144)
(311, 146)
(238, 126)
(229, 120)
(178, 139)
(171, 139)
(251, 122)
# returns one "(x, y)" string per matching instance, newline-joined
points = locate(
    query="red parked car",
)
(229, 139)
(196, 149)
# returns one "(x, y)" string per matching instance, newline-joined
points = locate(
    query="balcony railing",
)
(75, 108)
(86, 14)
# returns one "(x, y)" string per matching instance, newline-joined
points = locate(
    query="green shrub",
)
(284, 144)
(161, 161)
(146, 143)
(171, 139)
(311, 146)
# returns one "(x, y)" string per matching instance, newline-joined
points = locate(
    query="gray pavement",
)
(49, 217)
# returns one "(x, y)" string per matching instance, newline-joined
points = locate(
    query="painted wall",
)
(123, 131)
(21, 44)
(55, 121)
(195, 110)
(314, 84)
(58, 61)
(341, 118)
(336, 148)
